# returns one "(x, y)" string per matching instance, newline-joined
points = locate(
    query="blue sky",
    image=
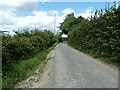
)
(22, 14)
(76, 6)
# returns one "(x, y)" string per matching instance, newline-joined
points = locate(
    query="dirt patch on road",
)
(41, 74)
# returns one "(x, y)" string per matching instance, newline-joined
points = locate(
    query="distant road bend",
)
(72, 69)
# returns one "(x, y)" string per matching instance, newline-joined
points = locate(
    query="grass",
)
(21, 69)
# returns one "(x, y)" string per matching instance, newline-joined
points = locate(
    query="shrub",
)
(24, 45)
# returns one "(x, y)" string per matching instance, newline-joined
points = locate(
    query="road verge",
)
(25, 69)
(40, 75)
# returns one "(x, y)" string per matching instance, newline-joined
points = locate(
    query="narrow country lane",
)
(72, 69)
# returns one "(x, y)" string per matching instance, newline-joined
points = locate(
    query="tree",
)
(68, 23)
(98, 35)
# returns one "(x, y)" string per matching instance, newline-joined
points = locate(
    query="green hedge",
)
(98, 35)
(19, 71)
(18, 52)
(24, 45)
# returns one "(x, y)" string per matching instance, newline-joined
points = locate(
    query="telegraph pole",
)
(55, 23)
(55, 19)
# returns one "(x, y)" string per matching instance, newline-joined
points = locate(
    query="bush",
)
(24, 45)
(98, 35)
(22, 52)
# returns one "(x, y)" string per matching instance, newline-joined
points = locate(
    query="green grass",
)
(21, 69)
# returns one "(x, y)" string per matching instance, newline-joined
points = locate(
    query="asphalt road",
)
(73, 69)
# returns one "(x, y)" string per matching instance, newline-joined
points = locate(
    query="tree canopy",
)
(98, 34)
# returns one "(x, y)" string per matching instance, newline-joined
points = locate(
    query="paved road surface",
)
(72, 69)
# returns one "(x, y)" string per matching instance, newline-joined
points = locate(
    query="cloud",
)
(44, 13)
(82, 0)
(7, 18)
(18, 5)
(10, 21)
(39, 19)
(67, 11)
(53, 12)
(86, 13)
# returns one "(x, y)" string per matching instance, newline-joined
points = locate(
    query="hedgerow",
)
(22, 53)
(24, 45)
(98, 35)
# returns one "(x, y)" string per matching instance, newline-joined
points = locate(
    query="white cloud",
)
(67, 11)
(82, 0)
(40, 19)
(53, 12)
(17, 5)
(63, 0)
(44, 13)
(12, 3)
(7, 18)
(86, 12)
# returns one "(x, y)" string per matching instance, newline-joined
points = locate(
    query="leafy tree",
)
(98, 35)
(67, 24)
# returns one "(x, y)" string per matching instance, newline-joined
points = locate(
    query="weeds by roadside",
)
(23, 67)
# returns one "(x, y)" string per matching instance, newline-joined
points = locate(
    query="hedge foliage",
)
(17, 72)
(25, 44)
(98, 35)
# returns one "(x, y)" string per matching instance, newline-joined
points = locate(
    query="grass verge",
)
(21, 69)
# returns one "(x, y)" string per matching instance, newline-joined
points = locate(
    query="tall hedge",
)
(99, 34)
(25, 44)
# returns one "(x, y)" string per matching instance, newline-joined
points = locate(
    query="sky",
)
(26, 14)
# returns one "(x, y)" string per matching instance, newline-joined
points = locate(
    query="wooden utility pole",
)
(55, 19)
(55, 23)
